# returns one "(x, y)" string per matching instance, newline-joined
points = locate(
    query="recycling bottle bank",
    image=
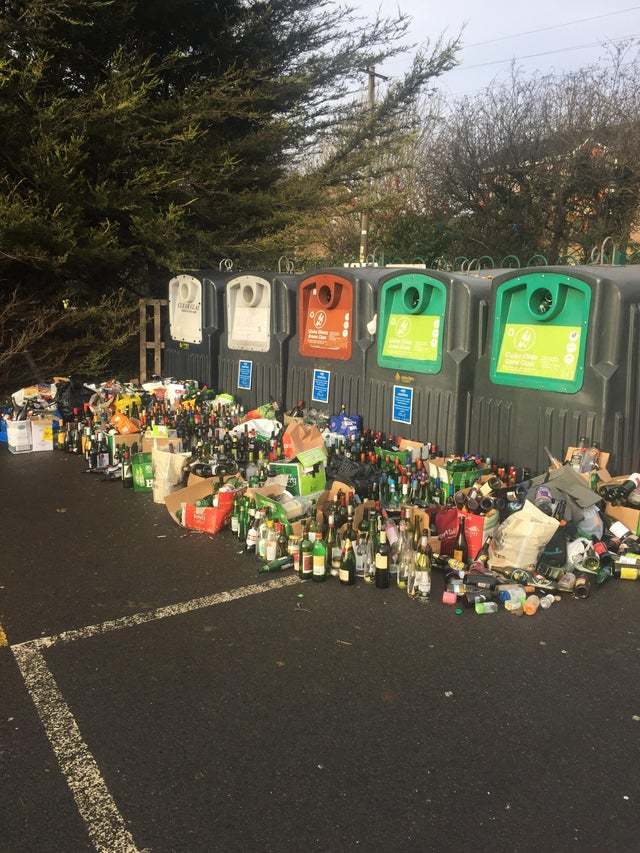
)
(195, 325)
(561, 363)
(259, 321)
(429, 334)
(327, 355)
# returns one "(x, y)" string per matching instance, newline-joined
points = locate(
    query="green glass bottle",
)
(320, 572)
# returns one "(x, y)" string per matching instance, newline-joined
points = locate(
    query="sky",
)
(488, 20)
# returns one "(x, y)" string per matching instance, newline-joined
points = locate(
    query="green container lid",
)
(411, 317)
(540, 332)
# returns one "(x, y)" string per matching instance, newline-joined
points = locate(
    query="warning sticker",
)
(545, 352)
(413, 336)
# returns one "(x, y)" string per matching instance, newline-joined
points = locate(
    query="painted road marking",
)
(3, 637)
(104, 823)
(159, 613)
(102, 818)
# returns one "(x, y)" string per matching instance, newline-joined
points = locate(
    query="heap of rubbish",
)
(322, 495)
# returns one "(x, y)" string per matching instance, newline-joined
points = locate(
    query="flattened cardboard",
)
(189, 495)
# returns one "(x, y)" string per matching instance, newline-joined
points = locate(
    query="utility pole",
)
(364, 215)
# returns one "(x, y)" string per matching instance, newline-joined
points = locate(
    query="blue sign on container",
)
(320, 388)
(402, 404)
(245, 374)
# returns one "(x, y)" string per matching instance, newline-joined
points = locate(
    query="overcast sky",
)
(493, 19)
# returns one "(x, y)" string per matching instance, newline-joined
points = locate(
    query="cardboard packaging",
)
(628, 516)
(603, 460)
(298, 438)
(42, 434)
(19, 436)
(195, 489)
(301, 480)
(151, 442)
(114, 439)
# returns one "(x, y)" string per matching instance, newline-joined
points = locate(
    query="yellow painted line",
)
(3, 637)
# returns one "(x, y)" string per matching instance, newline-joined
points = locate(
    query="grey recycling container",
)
(196, 319)
(561, 363)
(259, 308)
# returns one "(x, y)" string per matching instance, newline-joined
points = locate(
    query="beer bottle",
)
(382, 561)
(319, 559)
(347, 571)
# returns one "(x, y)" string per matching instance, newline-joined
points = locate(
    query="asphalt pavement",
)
(348, 719)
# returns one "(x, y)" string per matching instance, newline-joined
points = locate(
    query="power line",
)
(553, 27)
(544, 53)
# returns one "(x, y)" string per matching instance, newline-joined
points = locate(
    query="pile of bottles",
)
(385, 533)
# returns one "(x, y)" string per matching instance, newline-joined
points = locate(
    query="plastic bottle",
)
(531, 605)
(546, 601)
(485, 607)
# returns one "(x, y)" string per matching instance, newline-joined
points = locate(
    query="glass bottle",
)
(382, 562)
(421, 588)
(319, 559)
(347, 571)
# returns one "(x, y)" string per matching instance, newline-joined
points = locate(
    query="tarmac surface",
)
(349, 719)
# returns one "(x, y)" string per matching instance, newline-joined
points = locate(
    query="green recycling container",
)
(419, 375)
(561, 363)
(142, 471)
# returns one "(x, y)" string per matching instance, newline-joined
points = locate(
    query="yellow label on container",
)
(413, 336)
(546, 352)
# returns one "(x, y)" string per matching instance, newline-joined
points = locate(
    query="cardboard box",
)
(416, 448)
(301, 481)
(42, 434)
(114, 439)
(19, 436)
(628, 516)
(151, 443)
(603, 460)
(298, 438)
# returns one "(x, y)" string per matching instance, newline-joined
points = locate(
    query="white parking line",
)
(104, 822)
(159, 613)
